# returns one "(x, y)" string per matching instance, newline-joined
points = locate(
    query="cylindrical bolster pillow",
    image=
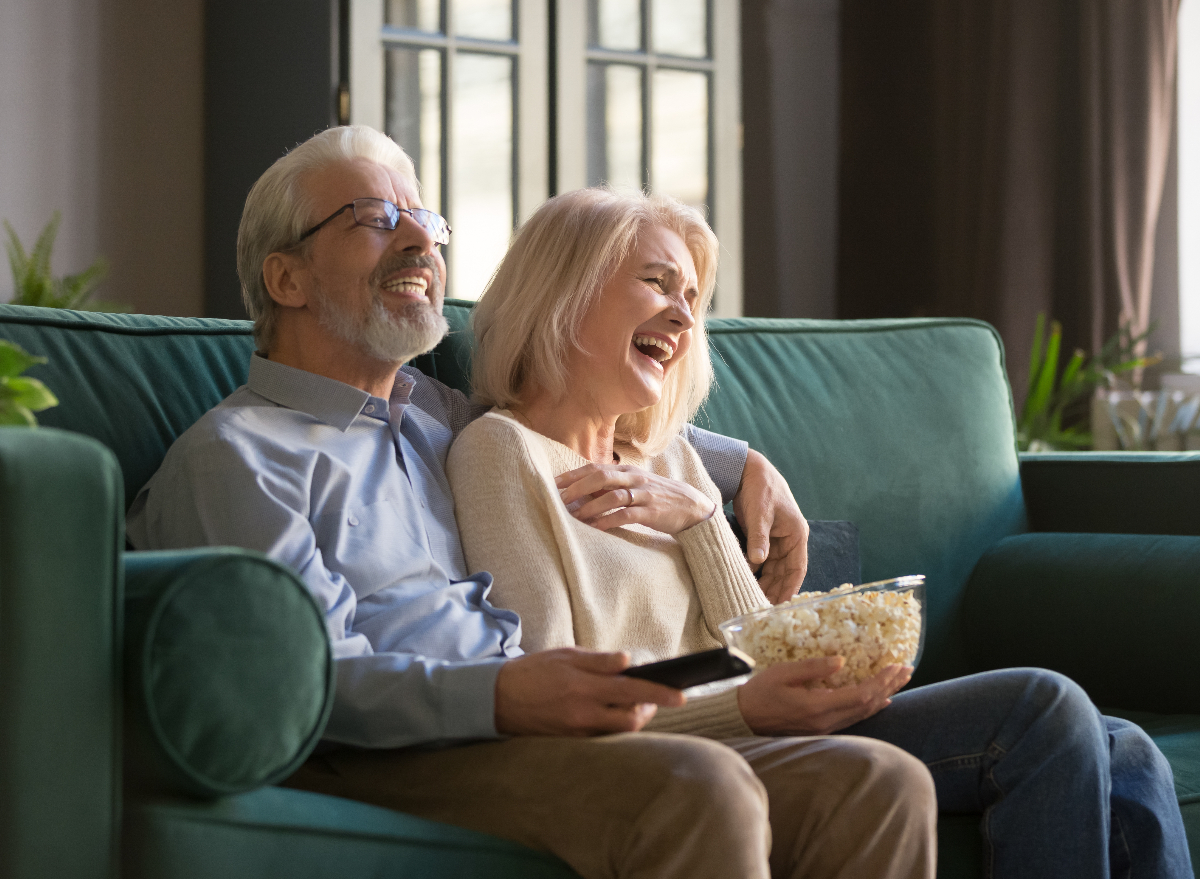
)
(228, 671)
(1118, 613)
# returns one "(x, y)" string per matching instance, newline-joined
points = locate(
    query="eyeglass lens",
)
(380, 214)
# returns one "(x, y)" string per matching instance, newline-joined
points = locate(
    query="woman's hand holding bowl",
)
(613, 495)
(780, 700)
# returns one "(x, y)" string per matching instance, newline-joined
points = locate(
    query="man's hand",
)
(573, 692)
(776, 530)
(776, 702)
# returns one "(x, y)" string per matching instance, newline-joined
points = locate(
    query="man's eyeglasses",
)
(376, 213)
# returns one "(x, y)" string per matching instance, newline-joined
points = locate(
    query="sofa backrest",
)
(134, 382)
(904, 427)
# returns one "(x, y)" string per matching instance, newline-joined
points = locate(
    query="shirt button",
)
(353, 520)
(370, 407)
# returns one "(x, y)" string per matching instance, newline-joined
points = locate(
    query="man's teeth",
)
(415, 284)
(648, 344)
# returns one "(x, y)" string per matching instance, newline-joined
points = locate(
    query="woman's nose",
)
(681, 314)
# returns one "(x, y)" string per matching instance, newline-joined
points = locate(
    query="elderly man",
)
(331, 460)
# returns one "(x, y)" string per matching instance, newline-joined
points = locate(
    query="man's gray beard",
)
(381, 333)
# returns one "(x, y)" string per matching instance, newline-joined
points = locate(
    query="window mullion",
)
(366, 64)
(571, 89)
(448, 62)
(531, 149)
(647, 120)
(647, 95)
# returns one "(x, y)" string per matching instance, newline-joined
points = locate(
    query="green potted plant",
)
(1056, 414)
(34, 284)
(21, 396)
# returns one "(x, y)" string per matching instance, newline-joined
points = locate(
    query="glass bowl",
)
(871, 626)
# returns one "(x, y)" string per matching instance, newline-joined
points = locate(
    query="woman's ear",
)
(283, 278)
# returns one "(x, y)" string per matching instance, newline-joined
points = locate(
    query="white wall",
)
(101, 117)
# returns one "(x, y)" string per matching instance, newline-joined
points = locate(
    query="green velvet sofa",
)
(1088, 564)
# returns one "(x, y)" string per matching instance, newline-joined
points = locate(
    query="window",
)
(645, 93)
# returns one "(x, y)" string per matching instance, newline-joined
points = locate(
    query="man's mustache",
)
(406, 261)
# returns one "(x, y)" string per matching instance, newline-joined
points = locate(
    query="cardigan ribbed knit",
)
(632, 588)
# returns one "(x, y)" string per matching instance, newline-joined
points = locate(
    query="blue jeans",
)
(1064, 790)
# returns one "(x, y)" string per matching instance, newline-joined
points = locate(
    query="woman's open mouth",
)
(654, 348)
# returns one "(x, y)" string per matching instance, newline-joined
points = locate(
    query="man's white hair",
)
(279, 209)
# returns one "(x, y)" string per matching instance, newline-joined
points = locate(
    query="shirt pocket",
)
(374, 545)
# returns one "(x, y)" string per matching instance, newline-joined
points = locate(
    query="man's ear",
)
(283, 278)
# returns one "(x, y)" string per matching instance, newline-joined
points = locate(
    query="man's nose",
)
(410, 236)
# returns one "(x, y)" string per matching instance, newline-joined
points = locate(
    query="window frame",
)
(572, 54)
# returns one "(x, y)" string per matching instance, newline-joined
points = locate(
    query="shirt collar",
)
(325, 399)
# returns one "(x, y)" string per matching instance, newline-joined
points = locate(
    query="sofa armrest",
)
(61, 523)
(229, 674)
(1115, 612)
(1112, 492)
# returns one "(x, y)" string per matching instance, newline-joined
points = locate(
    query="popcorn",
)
(870, 628)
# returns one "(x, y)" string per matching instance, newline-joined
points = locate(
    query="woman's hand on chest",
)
(613, 495)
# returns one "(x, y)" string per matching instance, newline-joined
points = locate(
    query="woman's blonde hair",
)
(528, 318)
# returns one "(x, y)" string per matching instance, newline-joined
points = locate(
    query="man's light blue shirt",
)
(350, 490)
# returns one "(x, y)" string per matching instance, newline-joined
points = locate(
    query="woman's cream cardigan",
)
(632, 588)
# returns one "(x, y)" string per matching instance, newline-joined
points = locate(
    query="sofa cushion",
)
(1068, 602)
(278, 832)
(229, 672)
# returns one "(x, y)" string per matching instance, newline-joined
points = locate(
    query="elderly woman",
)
(591, 392)
(603, 531)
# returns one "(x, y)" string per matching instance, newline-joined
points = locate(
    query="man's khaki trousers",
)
(659, 806)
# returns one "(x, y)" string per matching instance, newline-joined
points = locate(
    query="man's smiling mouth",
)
(411, 285)
(658, 350)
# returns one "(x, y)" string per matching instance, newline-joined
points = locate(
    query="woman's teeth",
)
(654, 347)
(413, 284)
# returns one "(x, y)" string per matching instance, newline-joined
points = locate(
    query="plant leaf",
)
(1072, 376)
(17, 258)
(1035, 357)
(14, 359)
(27, 392)
(14, 414)
(77, 288)
(1039, 399)
(40, 257)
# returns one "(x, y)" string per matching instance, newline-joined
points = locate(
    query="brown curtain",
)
(1128, 63)
(1003, 158)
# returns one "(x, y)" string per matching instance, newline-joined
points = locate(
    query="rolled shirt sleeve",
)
(722, 456)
